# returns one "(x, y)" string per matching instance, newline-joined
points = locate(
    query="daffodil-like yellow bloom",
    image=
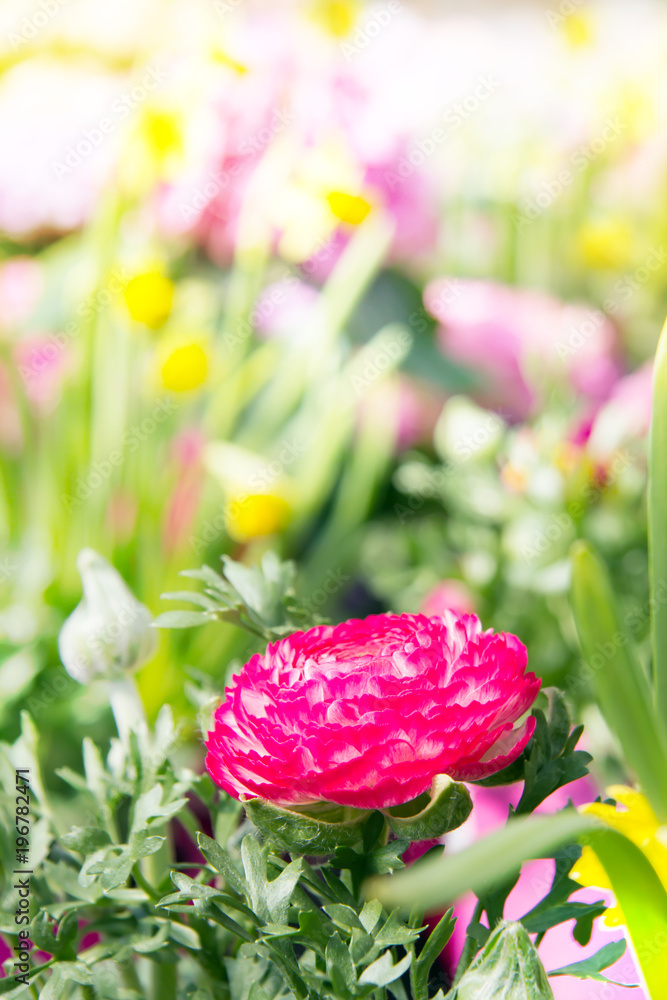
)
(578, 30)
(607, 244)
(162, 132)
(256, 515)
(349, 208)
(337, 17)
(638, 823)
(185, 367)
(149, 297)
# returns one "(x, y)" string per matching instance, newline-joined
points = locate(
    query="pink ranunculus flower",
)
(368, 712)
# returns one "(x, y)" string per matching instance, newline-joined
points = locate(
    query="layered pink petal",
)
(368, 712)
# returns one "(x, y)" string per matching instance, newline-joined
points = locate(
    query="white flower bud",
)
(109, 632)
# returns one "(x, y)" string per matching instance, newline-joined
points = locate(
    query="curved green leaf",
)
(642, 897)
(657, 526)
(435, 883)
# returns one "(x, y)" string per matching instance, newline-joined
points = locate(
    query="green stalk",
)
(618, 678)
(657, 529)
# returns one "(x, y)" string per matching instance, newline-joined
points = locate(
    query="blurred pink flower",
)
(21, 283)
(283, 84)
(285, 307)
(626, 416)
(558, 947)
(521, 340)
(41, 362)
(448, 595)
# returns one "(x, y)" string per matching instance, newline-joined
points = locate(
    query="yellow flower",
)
(349, 208)
(224, 59)
(578, 30)
(149, 297)
(638, 823)
(163, 134)
(185, 367)
(337, 17)
(256, 515)
(606, 244)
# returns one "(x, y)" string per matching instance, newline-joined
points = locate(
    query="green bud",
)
(507, 968)
(109, 632)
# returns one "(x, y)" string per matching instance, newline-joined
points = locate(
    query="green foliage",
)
(259, 599)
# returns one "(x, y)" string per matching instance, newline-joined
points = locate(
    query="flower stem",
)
(469, 945)
(127, 708)
(163, 981)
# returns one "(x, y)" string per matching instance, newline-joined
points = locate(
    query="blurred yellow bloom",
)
(163, 133)
(149, 297)
(639, 824)
(636, 109)
(224, 59)
(185, 368)
(606, 244)
(338, 17)
(578, 30)
(514, 478)
(566, 457)
(256, 515)
(349, 208)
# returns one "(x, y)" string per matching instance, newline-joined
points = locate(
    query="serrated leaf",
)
(340, 967)
(221, 862)
(591, 967)
(370, 914)
(382, 972)
(85, 840)
(433, 947)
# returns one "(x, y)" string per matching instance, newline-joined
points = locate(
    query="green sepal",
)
(317, 832)
(444, 808)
